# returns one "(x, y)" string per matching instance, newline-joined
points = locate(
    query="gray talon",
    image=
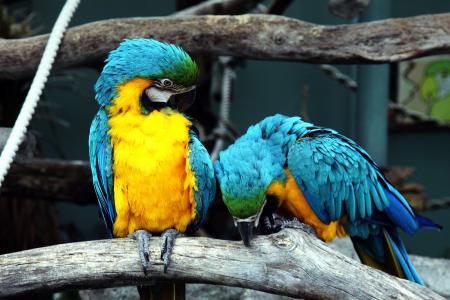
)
(267, 222)
(167, 242)
(142, 237)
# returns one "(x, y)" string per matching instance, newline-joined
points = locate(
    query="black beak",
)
(182, 101)
(246, 231)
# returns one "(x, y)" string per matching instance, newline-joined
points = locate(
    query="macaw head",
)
(149, 75)
(244, 171)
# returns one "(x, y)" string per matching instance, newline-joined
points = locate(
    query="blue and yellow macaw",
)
(326, 181)
(150, 172)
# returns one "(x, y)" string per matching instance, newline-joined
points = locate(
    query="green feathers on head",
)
(184, 71)
(244, 208)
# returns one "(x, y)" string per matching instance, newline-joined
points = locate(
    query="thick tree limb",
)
(248, 36)
(291, 262)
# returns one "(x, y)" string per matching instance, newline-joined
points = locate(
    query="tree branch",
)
(247, 36)
(50, 180)
(291, 262)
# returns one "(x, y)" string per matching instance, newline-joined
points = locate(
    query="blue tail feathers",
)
(385, 251)
(399, 250)
(424, 222)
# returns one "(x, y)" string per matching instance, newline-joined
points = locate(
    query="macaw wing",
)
(205, 182)
(101, 160)
(337, 177)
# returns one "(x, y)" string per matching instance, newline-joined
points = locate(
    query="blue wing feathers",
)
(339, 177)
(400, 216)
(100, 157)
(204, 176)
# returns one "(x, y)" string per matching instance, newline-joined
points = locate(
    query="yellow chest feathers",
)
(153, 182)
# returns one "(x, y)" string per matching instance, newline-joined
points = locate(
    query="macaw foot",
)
(167, 242)
(142, 238)
(273, 223)
(296, 224)
(270, 224)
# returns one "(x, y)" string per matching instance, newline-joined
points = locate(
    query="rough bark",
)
(291, 262)
(247, 36)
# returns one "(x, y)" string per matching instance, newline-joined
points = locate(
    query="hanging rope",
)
(39, 80)
(227, 81)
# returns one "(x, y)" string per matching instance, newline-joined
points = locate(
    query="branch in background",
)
(438, 204)
(247, 36)
(336, 74)
(403, 116)
(303, 267)
(413, 192)
(51, 180)
(70, 181)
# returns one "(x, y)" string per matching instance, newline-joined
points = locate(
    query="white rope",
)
(39, 80)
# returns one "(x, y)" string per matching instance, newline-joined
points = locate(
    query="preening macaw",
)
(150, 172)
(326, 181)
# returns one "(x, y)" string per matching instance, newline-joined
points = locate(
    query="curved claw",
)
(142, 237)
(167, 242)
(269, 224)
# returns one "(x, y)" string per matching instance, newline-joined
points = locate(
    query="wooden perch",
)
(247, 36)
(291, 262)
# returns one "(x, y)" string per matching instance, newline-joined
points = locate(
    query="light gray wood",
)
(248, 36)
(291, 262)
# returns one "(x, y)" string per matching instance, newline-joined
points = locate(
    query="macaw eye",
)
(166, 83)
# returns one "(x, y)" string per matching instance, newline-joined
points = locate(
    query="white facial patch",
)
(158, 95)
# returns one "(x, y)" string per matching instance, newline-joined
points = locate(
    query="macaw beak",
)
(245, 228)
(180, 100)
